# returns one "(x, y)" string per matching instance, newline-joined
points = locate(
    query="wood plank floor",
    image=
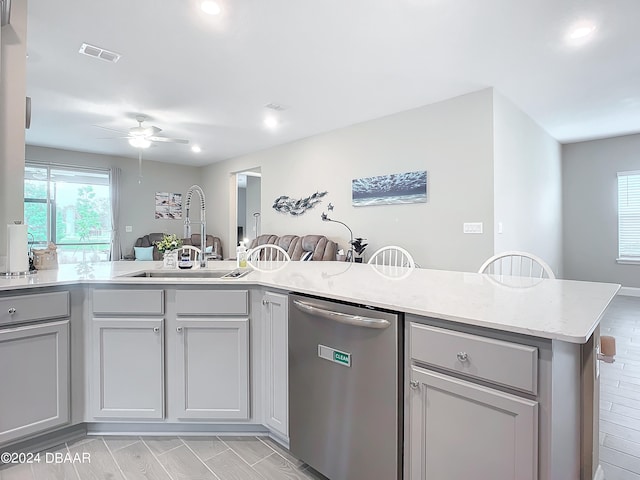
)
(168, 458)
(620, 392)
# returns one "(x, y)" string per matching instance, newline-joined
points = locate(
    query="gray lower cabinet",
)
(209, 369)
(461, 430)
(127, 368)
(34, 379)
(276, 363)
(472, 406)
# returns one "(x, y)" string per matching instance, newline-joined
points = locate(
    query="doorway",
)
(248, 207)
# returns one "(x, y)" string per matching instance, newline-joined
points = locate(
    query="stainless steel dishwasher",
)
(345, 372)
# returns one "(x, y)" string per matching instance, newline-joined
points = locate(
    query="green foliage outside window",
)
(87, 216)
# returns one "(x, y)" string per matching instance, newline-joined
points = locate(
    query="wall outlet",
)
(475, 227)
(128, 228)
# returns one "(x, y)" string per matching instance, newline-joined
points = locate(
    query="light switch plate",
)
(473, 227)
(128, 228)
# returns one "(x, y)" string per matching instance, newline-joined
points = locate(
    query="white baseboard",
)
(630, 291)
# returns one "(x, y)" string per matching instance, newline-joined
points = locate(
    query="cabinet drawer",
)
(141, 302)
(504, 363)
(38, 306)
(212, 302)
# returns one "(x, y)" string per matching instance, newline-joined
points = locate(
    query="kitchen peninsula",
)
(528, 350)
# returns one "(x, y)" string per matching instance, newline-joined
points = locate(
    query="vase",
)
(170, 259)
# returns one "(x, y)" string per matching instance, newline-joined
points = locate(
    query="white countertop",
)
(556, 309)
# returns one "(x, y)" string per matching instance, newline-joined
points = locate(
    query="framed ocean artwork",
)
(397, 188)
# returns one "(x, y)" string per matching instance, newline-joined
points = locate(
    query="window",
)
(629, 216)
(71, 207)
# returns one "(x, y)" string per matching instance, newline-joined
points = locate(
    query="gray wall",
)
(590, 204)
(13, 75)
(528, 185)
(137, 201)
(452, 140)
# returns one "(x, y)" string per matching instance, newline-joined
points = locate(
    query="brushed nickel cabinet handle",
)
(462, 356)
(179, 329)
(12, 310)
(156, 329)
(414, 384)
(265, 302)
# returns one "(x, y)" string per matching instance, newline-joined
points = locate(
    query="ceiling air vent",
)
(101, 53)
(275, 106)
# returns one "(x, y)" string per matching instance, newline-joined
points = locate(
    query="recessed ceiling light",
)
(581, 31)
(196, 149)
(271, 121)
(209, 7)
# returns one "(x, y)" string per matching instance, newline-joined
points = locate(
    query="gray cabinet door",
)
(276, 362)
(461, 430)
(127, 371)
(34, 379)
(210, 369)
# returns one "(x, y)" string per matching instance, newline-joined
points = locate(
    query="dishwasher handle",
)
(355, 320)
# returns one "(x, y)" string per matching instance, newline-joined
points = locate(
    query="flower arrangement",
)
(169, 243)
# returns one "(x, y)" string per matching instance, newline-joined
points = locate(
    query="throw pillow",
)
(143, 253)
(307, 257)
(208, 249)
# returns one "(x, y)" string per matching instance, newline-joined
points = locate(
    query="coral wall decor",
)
(284, 204)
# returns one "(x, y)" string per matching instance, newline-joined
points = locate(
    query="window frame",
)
(626, 259)
(51, 206)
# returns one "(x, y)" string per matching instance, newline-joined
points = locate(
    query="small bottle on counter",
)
(241, 256)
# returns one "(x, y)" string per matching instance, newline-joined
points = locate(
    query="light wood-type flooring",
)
(168, 458)
(620, 392)
(253, 458)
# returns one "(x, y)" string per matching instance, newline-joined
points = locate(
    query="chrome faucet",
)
(202, 222)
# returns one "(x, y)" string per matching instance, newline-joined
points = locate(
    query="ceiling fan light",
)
(139, 142)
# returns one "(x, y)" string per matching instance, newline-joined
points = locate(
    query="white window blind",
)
(629, 215)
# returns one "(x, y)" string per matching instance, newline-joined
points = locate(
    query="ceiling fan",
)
(143, 136)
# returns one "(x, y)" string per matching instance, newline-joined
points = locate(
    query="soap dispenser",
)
(241, 256)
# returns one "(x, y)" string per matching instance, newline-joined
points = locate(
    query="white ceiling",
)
(333, 63)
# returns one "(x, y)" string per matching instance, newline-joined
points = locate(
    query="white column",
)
(13, 86)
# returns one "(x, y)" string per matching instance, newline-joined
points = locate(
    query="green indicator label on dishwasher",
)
(343, 358)
(335, 356)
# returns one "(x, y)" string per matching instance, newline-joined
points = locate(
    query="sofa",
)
(151, 239)
(211, 243)
(307, 247)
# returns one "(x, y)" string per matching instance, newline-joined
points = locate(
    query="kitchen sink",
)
(191, 273)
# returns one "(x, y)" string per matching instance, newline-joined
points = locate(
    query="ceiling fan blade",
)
(154, 130)
(111, 138)
(111, 129)
(167, 140)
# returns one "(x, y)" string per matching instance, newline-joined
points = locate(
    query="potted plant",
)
(169, 246)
